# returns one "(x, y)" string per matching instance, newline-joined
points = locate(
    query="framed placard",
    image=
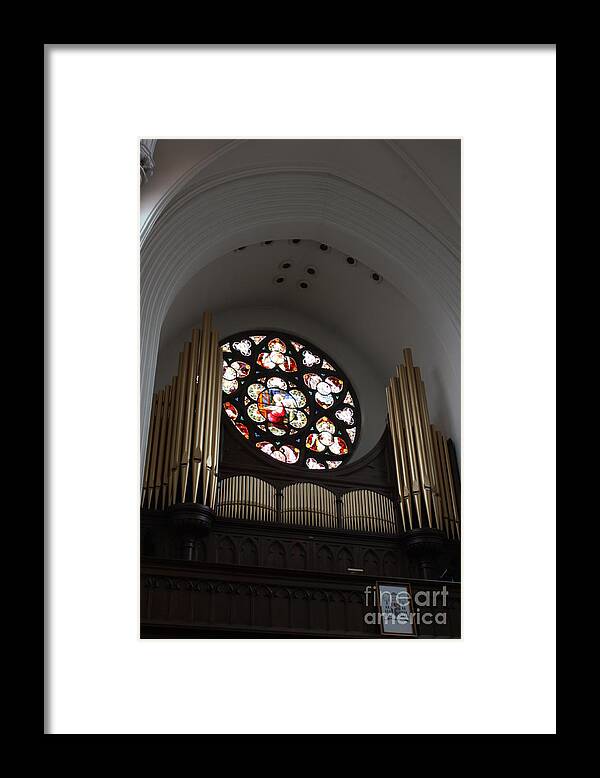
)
(395, 611)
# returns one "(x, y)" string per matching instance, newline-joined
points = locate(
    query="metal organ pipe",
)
(185, 427)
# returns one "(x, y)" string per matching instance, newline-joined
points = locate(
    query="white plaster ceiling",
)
(393, 205)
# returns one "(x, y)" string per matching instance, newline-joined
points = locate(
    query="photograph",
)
(300, 385)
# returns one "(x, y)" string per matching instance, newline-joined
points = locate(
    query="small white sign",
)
(396, 615)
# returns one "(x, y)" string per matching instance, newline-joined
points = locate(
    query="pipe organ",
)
(247, 497)
(308, 504)
(183, 440)
(424, 478)
(367, 511)
(254, 546)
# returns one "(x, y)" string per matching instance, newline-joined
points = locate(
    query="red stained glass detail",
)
(230, 410)
(243, 429)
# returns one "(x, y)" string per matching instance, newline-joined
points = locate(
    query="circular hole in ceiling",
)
(295, 241)
(303, 284)
(310, 270)
(351, 261)
(324, 247)
(376, 277)
(285, 265)
(278, 280)
(267, 242)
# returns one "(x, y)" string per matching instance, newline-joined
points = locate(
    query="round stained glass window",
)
(289, 400)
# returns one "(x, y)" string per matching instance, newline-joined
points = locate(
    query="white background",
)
(499, 678)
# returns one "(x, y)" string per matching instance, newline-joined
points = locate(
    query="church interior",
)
(300, 397)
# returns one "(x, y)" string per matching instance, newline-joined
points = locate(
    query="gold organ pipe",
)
(216, 418)
(200, 416)
(294, 502)
(308, 507)
(361, 510)
(205, 422)
(187, 354)
(404, 406)
(188, 412)
(161, 446)
(444, 482)
(149, 447)
(212, 418)
(172, 455)
(184, 428)
(303, 503)
(208, 459)
(157, 426)
(393, 394)
(426, 432)
(364, 512)
(453, 502)
(417, 431)
(307, 510)
(177, 422)
(306, 513)
(321, 517)
(420, 456)
(217, 423)
(167, 461)
(375, 508)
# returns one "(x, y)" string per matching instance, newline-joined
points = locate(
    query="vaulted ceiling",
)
(221, 218)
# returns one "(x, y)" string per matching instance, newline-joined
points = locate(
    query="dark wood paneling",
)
(188, 600)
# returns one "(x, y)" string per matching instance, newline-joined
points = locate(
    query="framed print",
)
(395, 612)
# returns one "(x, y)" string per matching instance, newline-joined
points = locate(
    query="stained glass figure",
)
(298, 410)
